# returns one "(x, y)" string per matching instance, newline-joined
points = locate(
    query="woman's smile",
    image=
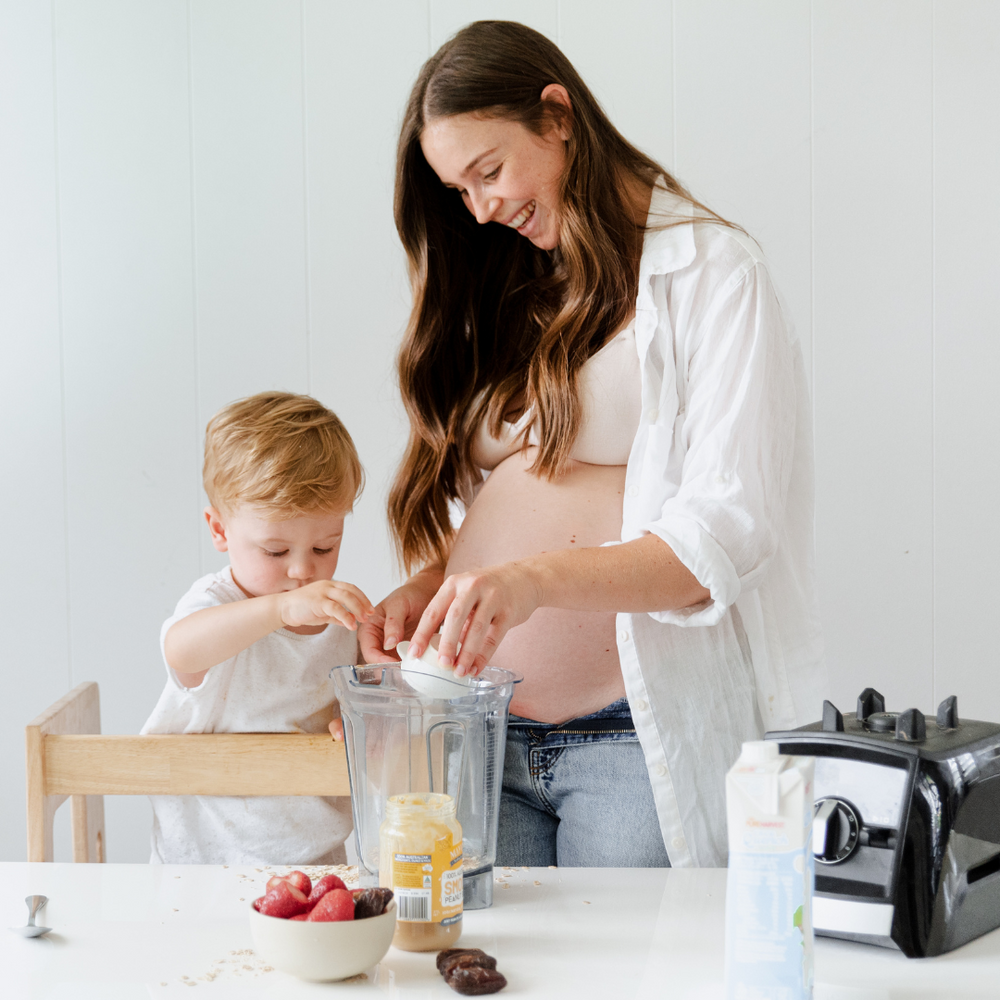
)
(504, 172)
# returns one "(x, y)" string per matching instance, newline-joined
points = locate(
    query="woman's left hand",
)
(476, 610)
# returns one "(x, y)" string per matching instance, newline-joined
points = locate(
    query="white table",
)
(123, 932)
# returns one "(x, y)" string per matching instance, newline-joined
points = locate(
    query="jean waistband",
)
(616, 717)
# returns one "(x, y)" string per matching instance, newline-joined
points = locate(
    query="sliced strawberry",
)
(273, 882)
(285, 901)
(323, 886)
(256, 903)
(300, 916)
(301, 881)
(336, 904)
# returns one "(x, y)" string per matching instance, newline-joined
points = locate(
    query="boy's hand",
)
(323, 602)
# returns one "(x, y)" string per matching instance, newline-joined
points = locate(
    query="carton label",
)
(769, 926)
(769, 934)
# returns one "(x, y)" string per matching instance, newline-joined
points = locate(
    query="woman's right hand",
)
(396, 617)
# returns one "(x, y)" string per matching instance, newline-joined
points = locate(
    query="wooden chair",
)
(67, 757)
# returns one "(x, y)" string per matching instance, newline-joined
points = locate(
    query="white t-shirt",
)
(280, 684)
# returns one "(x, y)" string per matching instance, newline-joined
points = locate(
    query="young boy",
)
(249, 649)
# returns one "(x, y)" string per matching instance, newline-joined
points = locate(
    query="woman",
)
(609, 390)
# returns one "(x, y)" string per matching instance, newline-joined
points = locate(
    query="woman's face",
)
(505, 173)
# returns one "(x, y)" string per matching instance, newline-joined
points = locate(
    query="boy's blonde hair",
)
(285, 453)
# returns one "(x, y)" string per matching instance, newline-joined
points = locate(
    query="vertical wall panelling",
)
(447, 16)
(967, 352)
(247, 120)
(742, 129)
(359, 302)
(127, 321)
(249, 215)
(872, 343)
(626, 61)
(34, 637)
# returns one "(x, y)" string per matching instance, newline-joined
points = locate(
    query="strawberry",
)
(301, 881)
(300, 916)
(336, 904)
(284, 900)
(323, 886)
(256, 903)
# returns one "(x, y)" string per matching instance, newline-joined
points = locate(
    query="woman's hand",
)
(396, 617)
(477, 609)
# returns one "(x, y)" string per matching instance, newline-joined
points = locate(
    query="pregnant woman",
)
(598, 375)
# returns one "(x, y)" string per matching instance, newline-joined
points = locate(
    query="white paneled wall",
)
(195, 205)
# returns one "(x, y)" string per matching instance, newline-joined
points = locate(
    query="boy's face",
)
(268, 556)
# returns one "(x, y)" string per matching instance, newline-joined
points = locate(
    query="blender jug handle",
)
(455, 726)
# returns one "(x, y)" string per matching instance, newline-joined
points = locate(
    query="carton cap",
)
(759, 752)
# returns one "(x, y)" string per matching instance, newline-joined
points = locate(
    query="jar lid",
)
(424, 804)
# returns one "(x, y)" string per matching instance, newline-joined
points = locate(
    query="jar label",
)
(428, 887)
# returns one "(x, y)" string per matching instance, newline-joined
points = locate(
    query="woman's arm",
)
(478, 608)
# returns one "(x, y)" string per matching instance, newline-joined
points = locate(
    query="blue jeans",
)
(578, 795)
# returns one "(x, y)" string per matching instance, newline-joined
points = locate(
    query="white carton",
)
(769, 931)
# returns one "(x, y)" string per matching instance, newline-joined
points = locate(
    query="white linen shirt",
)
(721, 469)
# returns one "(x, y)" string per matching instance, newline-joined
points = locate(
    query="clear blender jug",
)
(403, 739)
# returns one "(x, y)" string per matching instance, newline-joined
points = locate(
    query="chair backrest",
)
(67, 757)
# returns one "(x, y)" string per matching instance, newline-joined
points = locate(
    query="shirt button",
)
(640, 706)
(679, 843)
(720, 479)
(660, 770)
(633, 491)
(652, 415)
(623, 636)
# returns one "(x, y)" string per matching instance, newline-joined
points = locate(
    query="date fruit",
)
(467, 962)
(470, 971)
(476, 981)
(371, 902)
(449, 953)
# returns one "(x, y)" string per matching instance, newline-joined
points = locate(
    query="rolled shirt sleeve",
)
(733, 439)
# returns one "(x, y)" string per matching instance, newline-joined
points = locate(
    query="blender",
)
(405, 736)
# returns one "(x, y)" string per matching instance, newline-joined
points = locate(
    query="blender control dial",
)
(835, 830)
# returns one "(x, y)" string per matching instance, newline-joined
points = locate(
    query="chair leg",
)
(87, 813)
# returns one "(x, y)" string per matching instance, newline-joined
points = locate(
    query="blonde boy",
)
(249, 649)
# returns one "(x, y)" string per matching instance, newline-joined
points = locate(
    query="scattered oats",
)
(553, 866)
(587, 901)
(185, 977)
(242, 900)
(176, 910)
(163, 984)
(177, 876)
(270, 968)
(537, 882)
(249, 968)
(190, 982)
(526, 869)
(225, 866)
(504, 885)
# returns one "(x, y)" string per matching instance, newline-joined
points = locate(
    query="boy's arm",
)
(212, 635)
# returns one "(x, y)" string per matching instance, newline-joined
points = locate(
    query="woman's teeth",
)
(522, 217)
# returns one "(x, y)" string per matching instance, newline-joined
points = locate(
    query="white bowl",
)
(323, 950)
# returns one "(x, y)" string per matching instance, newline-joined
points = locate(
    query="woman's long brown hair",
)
(497, 322)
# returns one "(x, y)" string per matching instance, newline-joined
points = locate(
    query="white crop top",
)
(609, 387)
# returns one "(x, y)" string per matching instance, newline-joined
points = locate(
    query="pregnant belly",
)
(569, 659)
